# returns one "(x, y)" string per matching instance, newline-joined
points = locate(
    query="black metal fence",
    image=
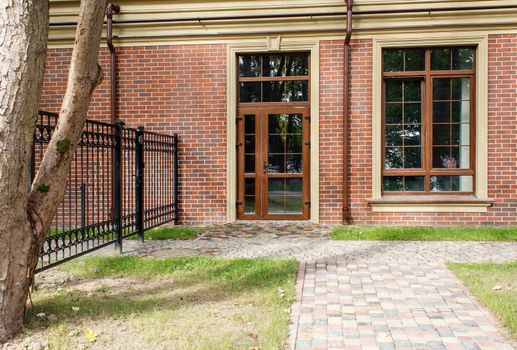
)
(121, 182)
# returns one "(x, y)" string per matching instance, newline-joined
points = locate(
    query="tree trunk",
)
(26, 217)
(23, 46)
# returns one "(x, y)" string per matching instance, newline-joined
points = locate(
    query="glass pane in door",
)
(285, 143)
(285, 196)
(285, 157)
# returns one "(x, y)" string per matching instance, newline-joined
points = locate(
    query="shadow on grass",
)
(165, 284)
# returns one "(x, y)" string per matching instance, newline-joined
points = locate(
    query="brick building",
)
(255, 90)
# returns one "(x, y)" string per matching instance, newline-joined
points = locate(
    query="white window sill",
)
(430, 203)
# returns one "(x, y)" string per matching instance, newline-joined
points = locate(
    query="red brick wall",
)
(168, 89)
(183, 89)
(331, 131)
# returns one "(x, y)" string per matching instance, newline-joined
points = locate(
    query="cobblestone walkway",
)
(363, 294)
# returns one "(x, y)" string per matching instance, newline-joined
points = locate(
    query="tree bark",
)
(27, 216)
(23, 46)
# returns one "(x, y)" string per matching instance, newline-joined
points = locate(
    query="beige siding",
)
(495, 21)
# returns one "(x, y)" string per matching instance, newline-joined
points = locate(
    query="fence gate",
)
(121, 182)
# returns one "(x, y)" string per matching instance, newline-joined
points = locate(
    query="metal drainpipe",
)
(346, 107)
(112, 8)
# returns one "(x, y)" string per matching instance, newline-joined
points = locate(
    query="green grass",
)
(385, 233)
(177, 303)
(481, 280)
(179, 233)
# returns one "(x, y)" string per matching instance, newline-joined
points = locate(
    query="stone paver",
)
(363, 294)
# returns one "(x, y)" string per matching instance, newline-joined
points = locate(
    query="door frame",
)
(265, 45)
(261, 112)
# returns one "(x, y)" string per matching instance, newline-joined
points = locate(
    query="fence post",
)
(117, 183)
(139, 195)
(176, 180)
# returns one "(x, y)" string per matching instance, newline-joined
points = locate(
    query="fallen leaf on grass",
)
(90, 335)
(497, 288)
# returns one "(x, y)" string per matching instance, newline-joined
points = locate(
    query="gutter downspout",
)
(346, 107)
(112, 8)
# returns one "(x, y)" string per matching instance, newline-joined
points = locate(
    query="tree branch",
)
(85, 74)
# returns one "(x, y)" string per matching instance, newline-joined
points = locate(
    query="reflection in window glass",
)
(452, 59)
(452, 184)
(403, 124)
(249, 66)
(397, 60)
(403, 183)
(451, 123)
(285, 196)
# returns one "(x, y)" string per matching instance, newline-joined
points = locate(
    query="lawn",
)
(179, 233)
(181, 303)
(495, 285)
(385, 233)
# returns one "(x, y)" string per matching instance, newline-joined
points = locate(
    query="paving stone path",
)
(363, 294)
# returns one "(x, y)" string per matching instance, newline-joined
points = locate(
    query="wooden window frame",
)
(426, 77)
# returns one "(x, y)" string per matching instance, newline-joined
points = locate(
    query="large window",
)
(428, 120)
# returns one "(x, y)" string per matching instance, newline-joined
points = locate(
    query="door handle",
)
(265, 167)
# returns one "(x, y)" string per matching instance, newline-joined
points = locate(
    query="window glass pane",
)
(412, 135)
(249, 144)
(393, 90)
(249, 196)
(276, 144)
(441, 134)
(286, 91)
(414, 183)
(249, 187)
(285, 196)
(440, 59)
(414, 60)
(441, 89)
(412, 113)
(249, 163)
(412, 90)
(452, 59)
(279, 65)
(394, 135)
(461, 134)
(403, 183)
(460, 89)
(285, 123)
(274, 66)
(249, 205)
(249, 124)
(452, 183)
(294, 164)
(441, 112)
(393, 157)
(444, 157)
(461, 111)
(440, 183)
(393, 113)
(463, 59)
(294, 143)
(462, 183)
(297, 65)
(249, 66)
(276, 163)
(294, 124)
(393, 60)
(464, 154)
(249, 92)
(412, 157)
(393, 183)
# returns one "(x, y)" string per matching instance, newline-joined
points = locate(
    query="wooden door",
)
(273, 162)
